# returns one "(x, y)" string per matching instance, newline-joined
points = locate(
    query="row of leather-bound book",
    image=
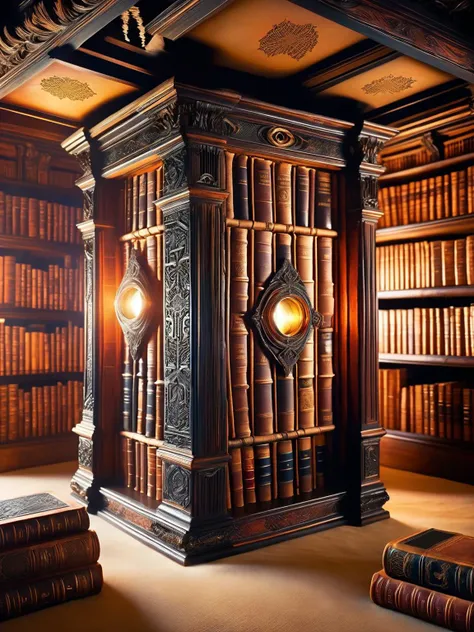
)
(444, 331)
(29, 217)
(40, 349)
(267, 191)
(141, 468)
(48, 287)
(279, 470)
(440, 409)
(278, 402)
(447, 195)
(425, 264)
(141, 193)
(39, 411)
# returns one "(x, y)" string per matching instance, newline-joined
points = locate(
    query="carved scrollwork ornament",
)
(286, 295)
(136, 285)
(371, 146)
(369, 192)
(85, 453)
(208, 118)
(174, 171)
(177, 485)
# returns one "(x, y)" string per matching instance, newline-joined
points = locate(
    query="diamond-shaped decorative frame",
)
(285, 349)
(137, 276)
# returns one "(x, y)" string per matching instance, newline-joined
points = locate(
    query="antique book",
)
(325, 281)
(439, 560)
(151, 472)
(248, 471)
(325, 378)
(49, 557)
(238, 335)
(150, 198)
(237, 484)
(323, 200)
(430, 605)
(285, 469)
(38, 517)
(305, 458)
(150, 408)
(306, 374)
(30, 596)
(241, 187)
(263, 472)
(283, 197)
(262, 190)
(302, 196)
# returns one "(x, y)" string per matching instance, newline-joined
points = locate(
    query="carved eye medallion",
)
(280, 137)
(133, 303)
(284, 317)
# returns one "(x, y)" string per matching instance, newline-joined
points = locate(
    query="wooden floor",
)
(316, 583)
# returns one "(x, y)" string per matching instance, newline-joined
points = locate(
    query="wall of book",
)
(425, 282)
(142, 422)
(41, 303)
(279, 426)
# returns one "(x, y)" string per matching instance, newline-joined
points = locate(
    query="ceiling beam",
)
(408, 28)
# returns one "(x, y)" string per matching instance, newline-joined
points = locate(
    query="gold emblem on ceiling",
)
(287, 38)
(67, 88)
(388, 85)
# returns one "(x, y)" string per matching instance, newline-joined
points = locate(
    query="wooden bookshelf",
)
(415, 384)
(427, 292)
(38, 451)
(460, 225)
(428, 455)
(27, 314)
(39, 247)
(45, 270)
(427, 360)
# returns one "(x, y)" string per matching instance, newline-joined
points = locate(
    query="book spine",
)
(241, 188)
(237, 485)
(263, 472)
(306, 391)
(150, 416)
(432, 606)
(29, 597)
(283, 211)
(305, 459)
(285, 467)
(302, 196)
(48, 557)
(323, 200)
(239, 283)
(262, 190)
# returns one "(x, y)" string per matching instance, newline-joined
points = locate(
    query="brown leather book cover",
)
(12, 412)
(439, 197)
(302, 196)
(151, 472)
(49, 557)
(38, 517)
(441, 406)
(263, 380)
(470, 259)
(9, 279)
(460, 271)
(262, 190)
(325, 281)
(447, 208)
(283, 214)
(325, 378)
(237, 484)
(150, 198)
(142, 200)
(462, 197)
(241, 187)
(3, 413)
(137, 460)
(467, 410)
(159, 479)
(431, 199)
(239, 286)
(454, 194)
(150, 408)
(305, 468)
(457, 413)
(425, 213)
(449, 612)
(263, 472)
(143, 467)
(448, 410)
(21, 599)
(248, 470)
(323, 200)
(135, 196)
(229, 168)
(306, 372)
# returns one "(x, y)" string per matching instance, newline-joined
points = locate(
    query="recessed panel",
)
(395, 80)
(272, 37)
(67, 92)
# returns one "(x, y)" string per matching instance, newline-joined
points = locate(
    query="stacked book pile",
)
(47, 554)
(429, 575)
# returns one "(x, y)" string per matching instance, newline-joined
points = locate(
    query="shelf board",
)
(38, 451)
(68, 196)
(428, 292)
(40, 315)
(429, 169)
(429, 360)
(42, 378)
(460, 225)
(40, 246)
(428, 455)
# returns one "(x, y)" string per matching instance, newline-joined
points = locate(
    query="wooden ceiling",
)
(89, 57)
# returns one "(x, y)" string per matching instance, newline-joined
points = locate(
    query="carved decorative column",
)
(99, 328)
(367, 493)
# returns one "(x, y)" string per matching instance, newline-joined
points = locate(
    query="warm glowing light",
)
(289, 316)
(132, 303)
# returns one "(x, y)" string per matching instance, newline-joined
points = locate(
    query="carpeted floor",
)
(315, 583)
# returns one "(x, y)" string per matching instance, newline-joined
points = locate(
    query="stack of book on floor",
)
(429, 575)
(47, 554)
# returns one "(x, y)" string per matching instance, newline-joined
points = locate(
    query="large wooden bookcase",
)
(438, 149)
(40, 295)
(168, 446)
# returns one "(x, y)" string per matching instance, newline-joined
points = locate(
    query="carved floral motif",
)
(288, 38)
(177, 485)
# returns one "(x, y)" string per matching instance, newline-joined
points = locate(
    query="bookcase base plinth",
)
(428, 455)
(36, 452)
(223, 538)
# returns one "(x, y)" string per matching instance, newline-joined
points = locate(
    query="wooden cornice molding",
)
(182, 16)
(409, 28)
(25, 48)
